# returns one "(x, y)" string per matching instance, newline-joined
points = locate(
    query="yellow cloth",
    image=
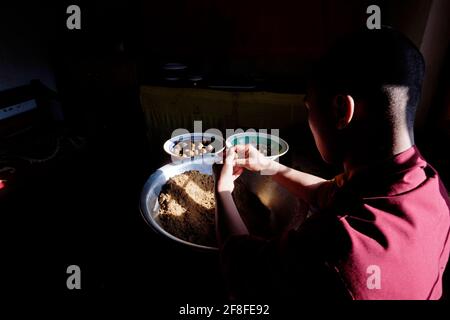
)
(167, 109)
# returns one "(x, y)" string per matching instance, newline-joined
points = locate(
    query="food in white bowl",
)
(194, 145)
(193, 149)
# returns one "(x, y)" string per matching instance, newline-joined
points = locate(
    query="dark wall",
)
(26, 39)
(273, 41)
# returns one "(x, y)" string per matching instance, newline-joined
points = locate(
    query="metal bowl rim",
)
(145, 212)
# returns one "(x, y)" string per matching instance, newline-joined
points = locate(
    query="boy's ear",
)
(344, 108)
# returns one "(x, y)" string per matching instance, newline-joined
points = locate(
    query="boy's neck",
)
(370, 154)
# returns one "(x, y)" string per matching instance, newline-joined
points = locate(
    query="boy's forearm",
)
(229, 221)
(301, 184)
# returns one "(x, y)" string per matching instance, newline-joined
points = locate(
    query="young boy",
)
(381, 229)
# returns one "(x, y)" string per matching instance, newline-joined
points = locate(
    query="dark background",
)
(81, 207)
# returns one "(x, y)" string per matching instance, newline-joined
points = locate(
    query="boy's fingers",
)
(237, 171)
(242, 162)
(242, 151)
(229, 156)
(241, 147)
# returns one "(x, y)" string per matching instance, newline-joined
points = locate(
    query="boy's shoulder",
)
(389, 180)
(393, 219)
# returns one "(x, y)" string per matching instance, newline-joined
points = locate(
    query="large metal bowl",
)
(287, 211)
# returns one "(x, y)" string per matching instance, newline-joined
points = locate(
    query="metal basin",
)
(286, 210)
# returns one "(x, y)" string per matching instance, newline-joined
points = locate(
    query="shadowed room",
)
(95, 105)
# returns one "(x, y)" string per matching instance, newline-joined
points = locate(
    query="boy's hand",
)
(229, 172)
(250, 158)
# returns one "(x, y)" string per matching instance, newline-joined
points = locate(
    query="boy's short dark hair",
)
(370, 65)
